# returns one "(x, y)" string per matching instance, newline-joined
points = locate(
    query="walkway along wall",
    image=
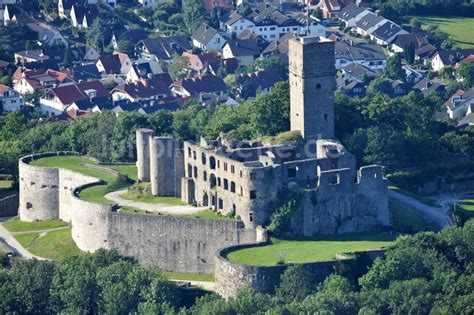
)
(171, 243)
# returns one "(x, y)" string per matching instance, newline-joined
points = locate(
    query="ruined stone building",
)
(250, 178)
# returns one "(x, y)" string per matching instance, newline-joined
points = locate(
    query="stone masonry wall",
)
(232, 277)
(173, 243)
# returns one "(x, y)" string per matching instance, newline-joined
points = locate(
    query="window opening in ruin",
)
(232, 169)
(234, 208)
(29, 205)
(190, 170)
(241, 174)
(205, 200)
(221, 203)
(225, 166)
(232, 187)
(194, 155)
(212, 180)
(212, 163)
(251, 217)
(318, 86)
(204, 175)
(195, 172)
(241, 191)
(219, 181)
(253, 194)
(226, 184)
(325, 117)
(203, 159)
(189, 152)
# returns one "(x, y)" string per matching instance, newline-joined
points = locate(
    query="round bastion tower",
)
(143, 153)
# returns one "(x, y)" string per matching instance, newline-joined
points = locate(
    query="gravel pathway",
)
(153, 207)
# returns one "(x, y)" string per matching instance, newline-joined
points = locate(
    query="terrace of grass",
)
(94, 193)
(467, 204)
(188, 276)
(55, 245)
(304, 250)
(207, 214)
(15, 225)
(137, 193)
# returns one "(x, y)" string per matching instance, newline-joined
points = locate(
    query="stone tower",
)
(312, 84)
(143, 153)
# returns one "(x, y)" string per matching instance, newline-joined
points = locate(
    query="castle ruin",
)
(247, 178)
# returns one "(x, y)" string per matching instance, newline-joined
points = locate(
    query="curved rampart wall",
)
(39, 186)
(89, 221)
(232, 277)
(174, 243)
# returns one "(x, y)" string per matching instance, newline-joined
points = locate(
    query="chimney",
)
(149, 76)
(377, 12)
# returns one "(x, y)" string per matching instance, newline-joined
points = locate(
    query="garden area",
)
(304, 250)
(79, 164)
(459, 28)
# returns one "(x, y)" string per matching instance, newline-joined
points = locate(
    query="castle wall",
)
(340, 205)
(228, 185)
(232, 277)
(143, 153)
(174, 243)
(39, 186)
(89, 222)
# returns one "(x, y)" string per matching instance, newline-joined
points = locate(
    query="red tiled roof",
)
(3, 88)
(72, 93)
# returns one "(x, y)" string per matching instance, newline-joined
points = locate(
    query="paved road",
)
(8, 238)
(153, 207)
(439, 215)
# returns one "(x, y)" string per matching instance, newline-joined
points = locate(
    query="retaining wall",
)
(171, 243)
(174, 243)
(9, 206)
(232, 277)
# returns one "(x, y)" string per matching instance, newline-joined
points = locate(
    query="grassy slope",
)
(460, 28)
(405, 218)
(15, 225)
(95, 193)
(308, 250)
(55, 245)
(467, 204)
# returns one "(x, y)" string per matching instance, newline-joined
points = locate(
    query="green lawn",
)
(308, 250)
(188, 276)
(406, 219)
(427, 201)
(6, 184)
(204, 214)
(467, 204)
(95, 193)
(55, 245)
(460, 28)
(15, 225)
(148, 198)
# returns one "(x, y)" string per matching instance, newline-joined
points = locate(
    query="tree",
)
(466, 72)
(394, 69)
(125, 45)
(409, 53)
(193, 13)
(296, 283)
(178, 69)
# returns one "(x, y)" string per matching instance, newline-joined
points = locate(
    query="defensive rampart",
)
(232, 277)
(172, 243)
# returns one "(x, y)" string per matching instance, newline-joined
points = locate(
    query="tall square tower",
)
(312, 85)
